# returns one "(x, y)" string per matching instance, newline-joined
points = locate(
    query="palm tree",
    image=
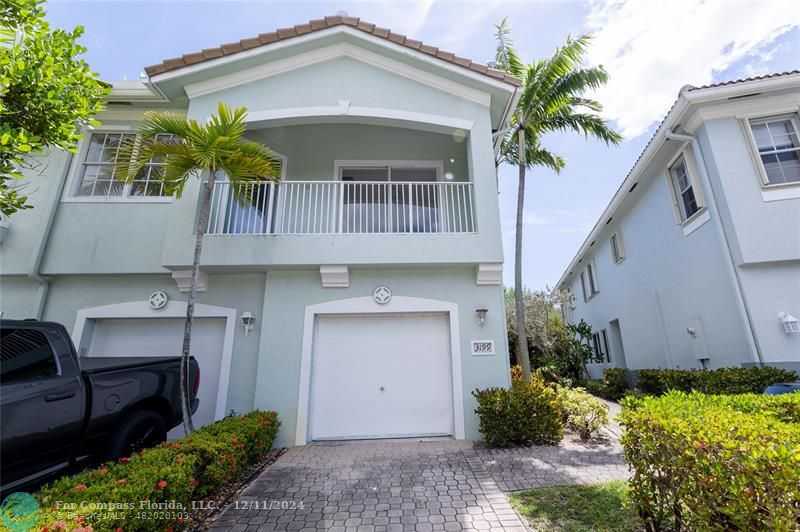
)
(190, 149)
(552, 100)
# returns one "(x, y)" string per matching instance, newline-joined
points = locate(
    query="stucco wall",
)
(666, 282)
(288, 293)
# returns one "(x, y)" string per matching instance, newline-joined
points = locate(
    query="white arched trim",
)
(367, 305)
(173, 309)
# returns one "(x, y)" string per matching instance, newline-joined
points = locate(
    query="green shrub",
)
(716, 381)
(593, 386)
(615, 383)
(714, 462)
(526, 413)
(174, 473)
(581, 412)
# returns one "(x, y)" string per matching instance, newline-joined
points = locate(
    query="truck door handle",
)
(58, 396)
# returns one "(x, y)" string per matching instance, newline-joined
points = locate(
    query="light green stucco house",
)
(372, 271)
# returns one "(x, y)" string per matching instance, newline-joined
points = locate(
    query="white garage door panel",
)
(407, 356)
(164, 337)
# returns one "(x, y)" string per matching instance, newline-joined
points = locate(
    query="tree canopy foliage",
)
(47, 93)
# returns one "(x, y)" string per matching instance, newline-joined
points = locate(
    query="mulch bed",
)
(202, 519)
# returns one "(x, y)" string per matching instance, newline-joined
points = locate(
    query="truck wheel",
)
(139, 430)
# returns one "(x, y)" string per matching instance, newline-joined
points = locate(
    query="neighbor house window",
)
(600, 347)
(100, 178)
(684, 189)
(778, 148)
(589, 281)
(617, 249)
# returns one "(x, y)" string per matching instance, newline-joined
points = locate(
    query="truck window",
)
(25, 354)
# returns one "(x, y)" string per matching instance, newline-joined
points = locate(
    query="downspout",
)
(733, 272)
(41, 245)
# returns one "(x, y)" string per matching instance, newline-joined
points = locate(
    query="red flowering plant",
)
(178, 472)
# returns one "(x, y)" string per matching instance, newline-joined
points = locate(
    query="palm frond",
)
(506, 57)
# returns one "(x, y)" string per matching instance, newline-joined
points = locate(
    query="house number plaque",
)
(482, 347)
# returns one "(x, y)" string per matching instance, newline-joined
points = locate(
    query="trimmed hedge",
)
(526, 413)
(615, 383)
(168, 477)
(714, 381)
(714, 462)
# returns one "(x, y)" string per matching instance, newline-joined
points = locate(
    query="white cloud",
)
(652, 48)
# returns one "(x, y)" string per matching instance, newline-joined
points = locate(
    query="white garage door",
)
(164, 337)
(381, 377)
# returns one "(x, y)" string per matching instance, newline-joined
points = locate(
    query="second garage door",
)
(381, 377)
(164, 337)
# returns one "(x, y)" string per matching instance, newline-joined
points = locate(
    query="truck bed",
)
(92, 365)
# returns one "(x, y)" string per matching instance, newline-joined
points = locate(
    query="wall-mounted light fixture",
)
(247, 322)
(790, 323)
(480, 315)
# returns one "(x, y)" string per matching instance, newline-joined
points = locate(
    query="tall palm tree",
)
(552, 100)
(188, 150)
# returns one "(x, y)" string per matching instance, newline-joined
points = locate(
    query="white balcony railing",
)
(341, 207)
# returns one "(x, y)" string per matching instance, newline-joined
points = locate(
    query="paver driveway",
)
(374, 486)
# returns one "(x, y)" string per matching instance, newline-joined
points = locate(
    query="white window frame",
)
(756, 155)
(697, 189)
(76, 172)
(602, 354)
(589, 281)
(617, 246)
(339, 164)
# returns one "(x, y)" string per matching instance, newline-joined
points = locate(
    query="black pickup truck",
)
(58, 411)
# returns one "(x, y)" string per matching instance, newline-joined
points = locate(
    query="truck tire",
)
(138, 431)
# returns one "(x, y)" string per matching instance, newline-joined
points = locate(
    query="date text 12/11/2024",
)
(267, 505)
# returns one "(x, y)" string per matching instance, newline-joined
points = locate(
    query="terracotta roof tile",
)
(318, 24)
(303, 28)
(286, 33)
(311, 26)
(689, 88)
(231, 48)
(210, 53)
(250, 43)
(381, 32)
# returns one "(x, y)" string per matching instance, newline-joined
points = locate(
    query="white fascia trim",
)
(136, 91)
(328, 53)
(362, 112)
(279, 45)
(367, 305)
(173, 309)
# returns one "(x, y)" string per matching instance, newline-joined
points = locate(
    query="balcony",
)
(341, 207)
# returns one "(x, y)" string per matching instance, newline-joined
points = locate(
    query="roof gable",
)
(283, 34)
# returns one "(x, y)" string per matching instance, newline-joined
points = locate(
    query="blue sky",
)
(650, 48)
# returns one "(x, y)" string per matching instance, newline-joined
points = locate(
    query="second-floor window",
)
(684, 189)
(617, 248)
(589, 281)
(100, 178)
(776, 140)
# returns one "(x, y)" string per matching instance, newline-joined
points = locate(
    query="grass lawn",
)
(578, 508)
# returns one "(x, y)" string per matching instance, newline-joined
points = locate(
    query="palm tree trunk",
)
(202, 223)
(519, 307)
